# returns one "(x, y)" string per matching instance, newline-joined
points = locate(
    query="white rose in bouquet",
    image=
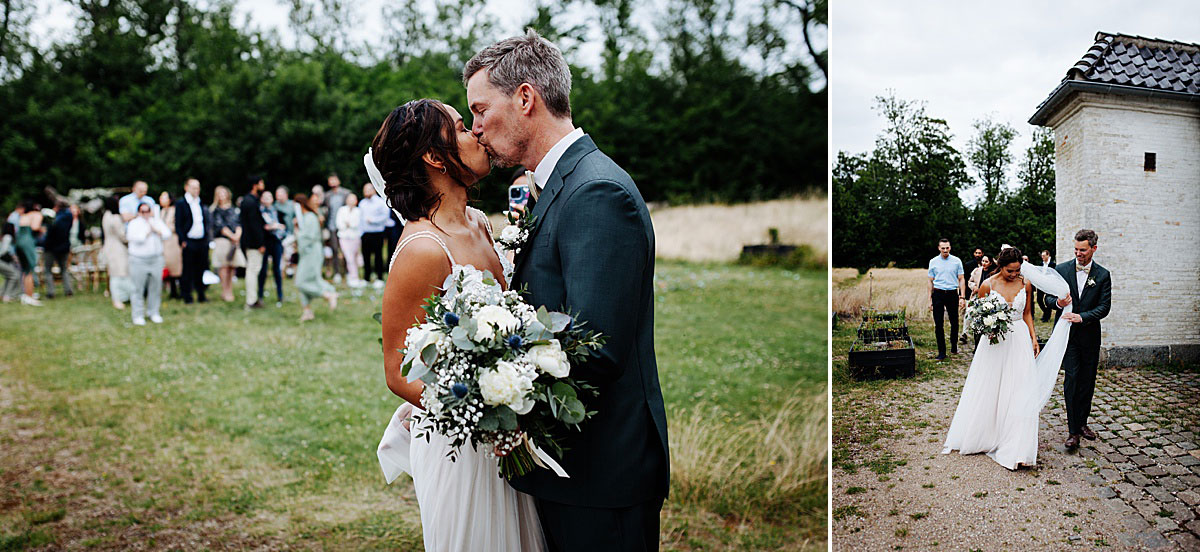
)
(506, 385)
(550, 359)
(493, 319)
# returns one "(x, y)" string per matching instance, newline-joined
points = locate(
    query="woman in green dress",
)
(28, 224)
(312, 257)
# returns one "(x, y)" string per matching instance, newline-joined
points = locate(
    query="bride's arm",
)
(418, 271)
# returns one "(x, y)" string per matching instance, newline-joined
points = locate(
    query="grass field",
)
(230, 429)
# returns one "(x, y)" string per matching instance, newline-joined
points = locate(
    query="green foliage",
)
(803, 257)
(162, 90)
(892, 205)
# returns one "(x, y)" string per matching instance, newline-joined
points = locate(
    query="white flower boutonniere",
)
(514, 236)
(1090, 282)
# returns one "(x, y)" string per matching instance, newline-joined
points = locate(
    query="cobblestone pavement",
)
(1135, 488)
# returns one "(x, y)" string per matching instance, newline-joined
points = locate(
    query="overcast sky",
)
(971, 59)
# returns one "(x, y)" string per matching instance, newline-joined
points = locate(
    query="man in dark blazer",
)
(254, 240)
(194, 236)
(1047, 260)
(591, 253)
(57, 248)
(1091, 297)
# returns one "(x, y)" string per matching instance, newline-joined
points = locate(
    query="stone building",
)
(1126, 121)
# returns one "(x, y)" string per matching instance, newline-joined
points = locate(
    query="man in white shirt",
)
(375, 216)
(128, 205)
(193, 224)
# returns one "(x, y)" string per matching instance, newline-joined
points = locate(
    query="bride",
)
(1009, 382)
(425, 160)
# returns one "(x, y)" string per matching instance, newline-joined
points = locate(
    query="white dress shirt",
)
(1081, 276)
(546, 166)
(197, 230)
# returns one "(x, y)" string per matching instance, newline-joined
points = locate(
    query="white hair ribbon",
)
(377, 182)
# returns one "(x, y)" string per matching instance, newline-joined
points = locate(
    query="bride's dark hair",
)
(1008, 256)
(408, 132)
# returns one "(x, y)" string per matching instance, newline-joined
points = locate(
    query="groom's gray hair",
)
(1086, 235)
(528, 58)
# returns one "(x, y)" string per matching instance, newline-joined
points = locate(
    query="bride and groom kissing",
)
(1010, 380)
(589, 251)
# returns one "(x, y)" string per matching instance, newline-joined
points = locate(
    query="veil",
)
(1049, 360)
(377, 182)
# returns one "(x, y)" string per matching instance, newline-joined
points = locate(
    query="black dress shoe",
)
(940, 358)
(1088, 433)
(1072, 442)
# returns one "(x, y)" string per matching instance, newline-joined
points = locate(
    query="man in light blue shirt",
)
(128, 205)
(946, 294)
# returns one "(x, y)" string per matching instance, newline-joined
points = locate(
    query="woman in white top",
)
(116, 254)
(145, 234)
(349, 231)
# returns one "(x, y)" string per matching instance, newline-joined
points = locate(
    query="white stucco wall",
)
(1148, 222)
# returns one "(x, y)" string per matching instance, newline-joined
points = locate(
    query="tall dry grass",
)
(706, 233)
(881, 289)
(718, 232)
(771, 469)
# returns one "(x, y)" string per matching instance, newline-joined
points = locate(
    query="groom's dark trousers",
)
(591, 253)
(1083, 347)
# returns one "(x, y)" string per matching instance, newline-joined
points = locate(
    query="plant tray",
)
(868, 363)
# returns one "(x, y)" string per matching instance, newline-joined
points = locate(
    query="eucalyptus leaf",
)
(429, 354)
(490, 420)
(378, 317)
(562, 391)
(543, 316)
(558, 322)
(572, 412)
(508, 418)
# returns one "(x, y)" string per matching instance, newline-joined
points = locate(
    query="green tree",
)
(989, 154)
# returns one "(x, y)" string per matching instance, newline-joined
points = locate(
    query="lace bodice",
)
(1018, 303)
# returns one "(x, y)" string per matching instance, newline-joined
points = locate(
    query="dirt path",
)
(893, 490)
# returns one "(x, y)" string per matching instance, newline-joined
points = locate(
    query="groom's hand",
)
(1072, 318)
(1064, 302)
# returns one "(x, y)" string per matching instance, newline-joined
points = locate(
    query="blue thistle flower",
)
(515, 341)
(450, 319)
(459, 390)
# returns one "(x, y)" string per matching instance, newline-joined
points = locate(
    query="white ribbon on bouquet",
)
(393, 450)
(1049, 360)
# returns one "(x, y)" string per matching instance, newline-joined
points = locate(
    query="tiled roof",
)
(1124, 64)
(1142, 62)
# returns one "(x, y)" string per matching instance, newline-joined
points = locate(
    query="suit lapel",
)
(1072, 282)
(556, 182)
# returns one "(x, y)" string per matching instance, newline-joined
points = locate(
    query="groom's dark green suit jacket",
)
(592, 252)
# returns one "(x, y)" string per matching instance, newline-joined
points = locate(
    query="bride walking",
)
(425, 160)
(998, 411)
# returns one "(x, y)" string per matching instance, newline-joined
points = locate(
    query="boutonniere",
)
(514, 236)
(1090, 282)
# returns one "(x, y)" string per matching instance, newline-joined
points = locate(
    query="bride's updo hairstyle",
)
(410, 131)
(1008, 256)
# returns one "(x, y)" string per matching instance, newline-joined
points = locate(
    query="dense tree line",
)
(719, 106)
(893, 204)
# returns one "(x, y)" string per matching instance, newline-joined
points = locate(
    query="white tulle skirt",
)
(995, 414)
(465, 504)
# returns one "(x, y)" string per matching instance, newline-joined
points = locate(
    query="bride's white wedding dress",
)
(992, 416)
(1007, 387)
(465, 504)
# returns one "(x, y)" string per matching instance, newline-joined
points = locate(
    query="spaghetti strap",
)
(421, 234)
(486, 221)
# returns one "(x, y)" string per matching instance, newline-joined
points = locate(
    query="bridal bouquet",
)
(497, 372)
(990, 315)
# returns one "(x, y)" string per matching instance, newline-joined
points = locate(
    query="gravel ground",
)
(893, 490)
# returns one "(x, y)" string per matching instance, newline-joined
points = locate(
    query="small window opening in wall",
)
(1151, 161)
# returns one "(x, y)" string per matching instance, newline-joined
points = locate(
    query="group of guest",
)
(149, 245)
(24, 231)
(952, 283)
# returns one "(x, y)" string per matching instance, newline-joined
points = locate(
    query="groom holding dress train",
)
(1091, 295)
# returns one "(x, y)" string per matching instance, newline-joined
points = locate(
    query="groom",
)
(591, 253)
(1091, 293)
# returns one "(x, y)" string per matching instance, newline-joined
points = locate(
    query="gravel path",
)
(1134, 489)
